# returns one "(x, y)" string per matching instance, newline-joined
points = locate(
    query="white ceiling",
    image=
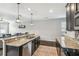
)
(40, 10)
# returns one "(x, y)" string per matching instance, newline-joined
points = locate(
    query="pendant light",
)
(18, 17)
(31, 19)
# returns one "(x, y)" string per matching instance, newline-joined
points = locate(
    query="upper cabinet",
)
(76, 27)
(77, 7)
(70, 13)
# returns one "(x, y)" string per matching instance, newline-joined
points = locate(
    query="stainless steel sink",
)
(30, 36)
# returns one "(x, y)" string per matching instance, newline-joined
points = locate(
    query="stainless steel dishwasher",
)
(27, 49)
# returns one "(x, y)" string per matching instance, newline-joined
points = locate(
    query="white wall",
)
(47, 29)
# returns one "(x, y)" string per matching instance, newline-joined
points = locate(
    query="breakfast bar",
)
(16, 44)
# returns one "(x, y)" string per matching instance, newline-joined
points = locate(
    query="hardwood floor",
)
(45, 51)
(42, 50)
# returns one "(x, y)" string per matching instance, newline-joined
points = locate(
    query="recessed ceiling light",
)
(29, 9)
(50, 11)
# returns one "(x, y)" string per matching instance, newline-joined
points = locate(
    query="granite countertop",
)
(71, 43)
(68, 42)
(6, 38)
(20, 42)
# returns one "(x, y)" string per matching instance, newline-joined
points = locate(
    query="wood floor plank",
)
(45, 51)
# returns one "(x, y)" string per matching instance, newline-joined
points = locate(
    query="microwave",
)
(76, 25)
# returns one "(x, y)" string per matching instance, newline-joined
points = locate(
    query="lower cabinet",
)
(33, 47)
(38, 41)
(35, 44)
(71, 52)
(66, 51)
(25, 50)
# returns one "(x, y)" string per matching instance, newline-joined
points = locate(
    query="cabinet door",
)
(68, 17)
(33, 48)
(77, 7)
(72, 14)
(35, 44)
(38, 42)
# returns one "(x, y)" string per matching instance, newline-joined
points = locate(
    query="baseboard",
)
(48, 43)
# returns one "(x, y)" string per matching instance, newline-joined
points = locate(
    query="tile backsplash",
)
(70, 34)
(77, 34)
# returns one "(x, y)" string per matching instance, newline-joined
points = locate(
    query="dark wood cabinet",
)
(70, 12)
(35, 44)
(38, 41)
(68, 17)
(25, 49)
(33, 47)
(71, 52)
(77, 8)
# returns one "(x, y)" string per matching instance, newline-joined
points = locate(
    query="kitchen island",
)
(14, 45)
(69, 45)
